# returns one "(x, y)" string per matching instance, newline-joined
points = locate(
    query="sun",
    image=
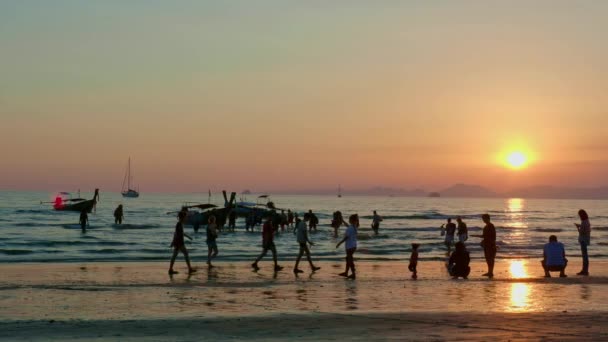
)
(516, 160)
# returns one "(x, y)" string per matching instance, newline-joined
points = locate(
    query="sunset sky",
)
(292, 95)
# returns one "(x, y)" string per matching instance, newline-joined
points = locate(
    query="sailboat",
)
(128, 192)
(339, 191)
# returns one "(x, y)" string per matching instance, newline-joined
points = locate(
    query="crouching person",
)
(554, 257)
(459, 262)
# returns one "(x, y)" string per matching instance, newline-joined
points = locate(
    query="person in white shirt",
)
(301, 232)
(554, 257)
(350, 237)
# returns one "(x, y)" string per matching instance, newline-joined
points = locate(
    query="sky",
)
(294, 95)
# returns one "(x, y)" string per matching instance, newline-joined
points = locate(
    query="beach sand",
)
(139, 301)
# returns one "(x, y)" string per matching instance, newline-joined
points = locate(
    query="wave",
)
(548, 230)
(69, 243)
(599, 228)
(425, 216)
(126, 226)
(32, 211)
(16, 251)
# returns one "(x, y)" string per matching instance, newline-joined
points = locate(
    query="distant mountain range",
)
(468, 191)
(541, 191)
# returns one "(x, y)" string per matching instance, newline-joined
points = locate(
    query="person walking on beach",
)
(84, 220)
(250, 221)
(376, 219)
(554, 257)
(463, 231)
(179, 244)
(450, 230)
(458, 266)
(488, 243)
(584, 239)
(118, 214)
(313, 221)
(414, 261)
(268, 245)
(302, 236)
(211, 240)
(350, 237)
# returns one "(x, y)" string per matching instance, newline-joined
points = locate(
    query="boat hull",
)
(130, 194)
(80, 206)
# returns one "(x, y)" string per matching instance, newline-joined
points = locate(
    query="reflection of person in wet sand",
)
(350, 237)
(458, 265)
(554, 257)
(303, 240)
(268, 245)
(179, 244)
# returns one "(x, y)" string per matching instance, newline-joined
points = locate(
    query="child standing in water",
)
(414, 261)
(350, 237)
(178, 243)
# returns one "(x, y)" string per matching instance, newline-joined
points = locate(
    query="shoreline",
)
(315, 327)
(140, 301)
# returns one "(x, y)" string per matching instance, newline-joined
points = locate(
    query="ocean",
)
(33, 232)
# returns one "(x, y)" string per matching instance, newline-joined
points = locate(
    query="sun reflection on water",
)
(515, 206)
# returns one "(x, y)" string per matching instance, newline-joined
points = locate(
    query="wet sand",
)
(139, 301)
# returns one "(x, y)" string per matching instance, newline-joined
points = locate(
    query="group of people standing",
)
(554, 255)
(458, 263)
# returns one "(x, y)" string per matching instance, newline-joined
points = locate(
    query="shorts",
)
(302, 244)
(269, 247)
(449, 239)
(212, 244)
(463, 237)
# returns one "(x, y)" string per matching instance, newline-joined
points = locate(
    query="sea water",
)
(33, 232)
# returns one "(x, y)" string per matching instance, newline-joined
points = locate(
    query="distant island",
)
(471, 191)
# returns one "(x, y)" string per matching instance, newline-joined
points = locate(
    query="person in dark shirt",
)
(268, 245)
(458, 265)
(178, 243)
(118, 215)
(488, 243)
(450, 230)
(463, 231)
(414, 261)
(313, 222)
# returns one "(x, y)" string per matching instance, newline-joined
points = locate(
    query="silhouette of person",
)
(458, 265)
(179, 244)
(268, 245)
(584, 239)
(350, 237)
(118, 214)
(303, 240)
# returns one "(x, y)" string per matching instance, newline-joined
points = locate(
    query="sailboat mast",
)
(129, 174)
